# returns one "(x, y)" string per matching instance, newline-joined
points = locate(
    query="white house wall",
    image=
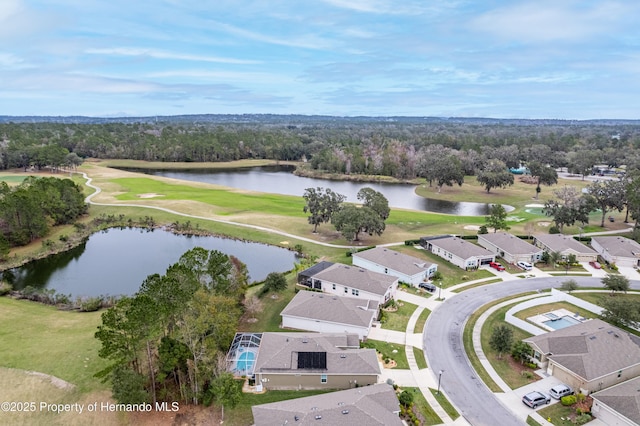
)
(617, 260)
(339, 290)
(322, 326)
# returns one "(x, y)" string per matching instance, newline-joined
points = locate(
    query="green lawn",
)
(41, 338)
(241, 414)
(270, 305)
(445, 404)
(502, 366)
(422, 319)
(596, 297)
(398, 320)
(422, 406)
(387, 351)
(557, 412)
(419, 356)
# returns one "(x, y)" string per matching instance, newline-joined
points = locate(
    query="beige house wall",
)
(313, 381)
(594, 385)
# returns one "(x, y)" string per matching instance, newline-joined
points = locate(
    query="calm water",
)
(118, 260)
(280, 180)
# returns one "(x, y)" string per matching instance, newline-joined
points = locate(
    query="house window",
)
(386, 270)
(346, 290)
(323, 378)
(355, 292)
(333, 286)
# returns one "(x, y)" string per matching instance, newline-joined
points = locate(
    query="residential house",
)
(304, 277)
(619, 404)
(345, 280)
(620, 251)
(323, 313)
(509, 247)
(565, 245)
(369, 405)
(460, 252)
(408, 269)
(314, 361)
(589, 356)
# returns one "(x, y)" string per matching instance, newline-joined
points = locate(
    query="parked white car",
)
(559, 391)
(524, 265)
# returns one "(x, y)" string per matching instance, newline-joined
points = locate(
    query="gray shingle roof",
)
(395, 260)
(591, 349)
(509, 243)
(461, 248)
(623, 398)
(335, 309)
(359, 278)
(369, 405)
(619, 246)
(277, 353)
(560, 242)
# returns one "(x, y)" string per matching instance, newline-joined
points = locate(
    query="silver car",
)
(561, 390)
(533, 399)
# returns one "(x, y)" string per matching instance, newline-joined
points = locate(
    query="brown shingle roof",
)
(277, 353)
(623, 398)
(359, 278)
(395, 260)
(510, 243)
(335, 309)
(591, 349)
(369, 405)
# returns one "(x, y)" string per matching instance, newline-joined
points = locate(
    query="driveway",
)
(445, 351)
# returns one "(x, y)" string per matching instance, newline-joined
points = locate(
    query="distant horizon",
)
(381, 117)
(503, 59)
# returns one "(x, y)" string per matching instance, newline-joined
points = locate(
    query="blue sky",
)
(487, 58)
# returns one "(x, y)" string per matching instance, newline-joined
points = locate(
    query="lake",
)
(281, 180)
(117, 261)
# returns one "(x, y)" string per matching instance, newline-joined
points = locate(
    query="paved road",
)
(445, 351)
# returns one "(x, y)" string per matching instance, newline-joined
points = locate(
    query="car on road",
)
(595, 265)
(496, 266)
(524, 265)
(558, 391)
(535, 398)
(427, 286)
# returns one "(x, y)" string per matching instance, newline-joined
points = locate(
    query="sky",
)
(556, 59)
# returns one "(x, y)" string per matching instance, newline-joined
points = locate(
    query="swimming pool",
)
(561, 322)
(245, 363)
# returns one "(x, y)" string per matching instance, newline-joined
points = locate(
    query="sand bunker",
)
(150, 195)
(472, 227)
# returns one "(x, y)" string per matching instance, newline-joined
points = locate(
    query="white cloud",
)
(550, 20)
(161, 54)
(304, 41)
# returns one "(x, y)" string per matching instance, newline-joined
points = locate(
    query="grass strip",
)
(419, 356)
(423, 408)
(445, 404)
(422, 319)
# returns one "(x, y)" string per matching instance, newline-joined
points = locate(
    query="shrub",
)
(405, 398)
(583, 419)
(580, 397)
(91, 304)
(5, 288)
(532, 365)
(554, 230)
(568, 400)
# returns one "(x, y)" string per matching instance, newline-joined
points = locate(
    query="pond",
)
(117, 261)
(281, 180)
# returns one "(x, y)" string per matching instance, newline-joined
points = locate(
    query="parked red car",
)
(595, 265)
(496, 266)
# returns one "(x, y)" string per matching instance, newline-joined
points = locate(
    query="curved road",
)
(445, 350)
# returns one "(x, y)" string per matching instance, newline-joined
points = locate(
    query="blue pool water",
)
(561, 322)
(245, 362)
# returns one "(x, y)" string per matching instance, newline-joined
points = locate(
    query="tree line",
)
(28, 211)
(168, 341)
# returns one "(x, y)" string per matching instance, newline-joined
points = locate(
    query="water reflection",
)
(118, 260)
(280, 180)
